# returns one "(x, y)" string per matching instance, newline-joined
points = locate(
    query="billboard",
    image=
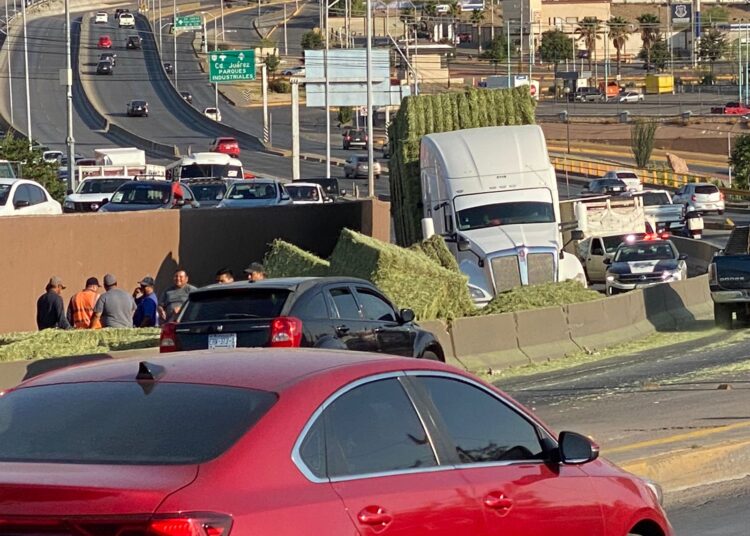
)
(681, 14)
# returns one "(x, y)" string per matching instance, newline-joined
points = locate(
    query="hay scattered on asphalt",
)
(58, 343)
(540, 296)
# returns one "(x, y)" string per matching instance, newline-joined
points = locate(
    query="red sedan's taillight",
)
(286, 332)
(168, 338)
(197, 524)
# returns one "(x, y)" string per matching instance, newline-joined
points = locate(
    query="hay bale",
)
(287, 260)
(408, 277)
(436, 249)
(540, 296)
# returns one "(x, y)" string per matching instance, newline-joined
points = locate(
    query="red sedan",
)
(290, 442)
(104, 42)
(226, 145)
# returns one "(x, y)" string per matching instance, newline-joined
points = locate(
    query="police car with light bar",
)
(640, 263)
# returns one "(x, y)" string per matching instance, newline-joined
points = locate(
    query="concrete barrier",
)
(699, 253)
(440, 330)
(487, 342)
(543, 334)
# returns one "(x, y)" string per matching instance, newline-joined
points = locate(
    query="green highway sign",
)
(231, 65)
(191, 22)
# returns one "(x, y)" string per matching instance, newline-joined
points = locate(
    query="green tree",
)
(740, 161)
(345, 115)
(272, 62)
(650, 34)
(642, 141)
(588, 32)
(713, 46)
(556, 46)
(496, 51)
(619, 32)
(32, 165)
(477, 16)
(429, 9)
(657, 55)
(312, 40)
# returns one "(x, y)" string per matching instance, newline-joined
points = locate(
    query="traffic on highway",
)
(373, 269)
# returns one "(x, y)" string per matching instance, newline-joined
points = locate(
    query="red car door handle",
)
(497, 501)
(374, 515)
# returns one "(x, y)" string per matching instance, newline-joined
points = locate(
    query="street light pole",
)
(69, 100)
(160, 19)
(370, 155)
(26, 73)
(10, 74)
(328, 107)
(174, 34)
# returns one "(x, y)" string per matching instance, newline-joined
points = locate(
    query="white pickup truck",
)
(660, 209)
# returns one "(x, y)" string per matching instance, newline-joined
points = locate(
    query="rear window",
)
(651, 199)
(208, 191)
(228, 305)
(621, 175)
(706, 189)
(122, 423)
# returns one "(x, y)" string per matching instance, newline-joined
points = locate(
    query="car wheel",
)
(723, 315)
(430, 355)
(720, 212)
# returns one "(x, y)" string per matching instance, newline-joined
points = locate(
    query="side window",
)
(596, 247)
(373, 429)
(374, 308)
(314, 308)
(187, 194)
(36, 194)
(345, 303)
(500, 435)
(22, 194)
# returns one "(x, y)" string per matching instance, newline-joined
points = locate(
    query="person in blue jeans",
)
(146, 304)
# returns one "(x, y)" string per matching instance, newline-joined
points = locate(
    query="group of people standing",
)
(116, 308)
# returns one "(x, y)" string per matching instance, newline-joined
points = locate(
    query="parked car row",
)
(593, 94)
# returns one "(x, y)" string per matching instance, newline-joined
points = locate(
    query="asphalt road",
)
(719, 510)
(697, 103)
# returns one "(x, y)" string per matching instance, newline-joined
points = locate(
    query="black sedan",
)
(150, 195)
(187, 96)
(606, 187)
(111, 56)
(137, 108)
(321, 312)
(133, 42)
(105, 67)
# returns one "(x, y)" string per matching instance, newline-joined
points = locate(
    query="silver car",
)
(701, 197)
(255, 193)
(629, 177)
(356, 167)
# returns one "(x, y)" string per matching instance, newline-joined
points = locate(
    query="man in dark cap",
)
(255, 272)
(50, 310)
(115, 307)
(146, 304)
(81, 305)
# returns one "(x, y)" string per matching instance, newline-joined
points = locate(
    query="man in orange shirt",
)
(81, 305)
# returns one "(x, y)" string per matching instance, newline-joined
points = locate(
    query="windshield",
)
(611, 243)
(100, 186)
(645, 252)
(651, 199)
(6, 171)
(514, 213)
(123, 423)
(142, 194)
(208, 192)
(303, 193)
(4, 193)
(196, 171)
(252, 190)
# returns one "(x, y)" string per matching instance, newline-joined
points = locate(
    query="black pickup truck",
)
(729, 279)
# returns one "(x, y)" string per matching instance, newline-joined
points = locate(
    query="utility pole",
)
(507, 35)
(216, 84)
(328, 106)
(295, 129)
(286, 42)
(26, 73)
(69, 100)
(10, 74)
(174, 34)
(160, 19)
(370, 155)
(264, 78)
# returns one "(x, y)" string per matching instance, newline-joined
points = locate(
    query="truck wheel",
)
(723, 315)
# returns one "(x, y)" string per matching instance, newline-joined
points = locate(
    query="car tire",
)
(723, 315)
(430, 356)
(720, 212)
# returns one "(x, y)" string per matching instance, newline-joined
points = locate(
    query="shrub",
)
(280, 86)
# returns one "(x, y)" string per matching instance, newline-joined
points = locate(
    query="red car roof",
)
(258, 368)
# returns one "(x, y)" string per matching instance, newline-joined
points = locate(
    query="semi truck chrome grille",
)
(541, 268)
(506, 273)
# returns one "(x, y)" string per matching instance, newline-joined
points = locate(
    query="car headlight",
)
(612, 277)
(656, 490)
(68, 204)
(671, 274)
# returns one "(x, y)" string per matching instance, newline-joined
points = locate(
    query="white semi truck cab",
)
(492, 194)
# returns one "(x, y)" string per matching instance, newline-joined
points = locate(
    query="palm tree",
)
(477, 16)
(588, 32)
(618, 33)
(650, 34)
